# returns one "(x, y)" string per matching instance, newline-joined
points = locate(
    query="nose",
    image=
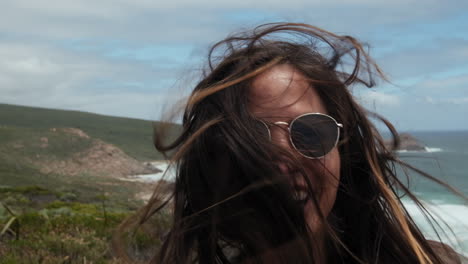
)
(280, 136)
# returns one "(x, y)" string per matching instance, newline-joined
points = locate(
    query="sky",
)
(135, 58)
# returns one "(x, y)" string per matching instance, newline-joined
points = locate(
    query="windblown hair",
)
(230, 202)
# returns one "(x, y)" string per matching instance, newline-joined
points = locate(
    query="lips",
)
(300, 188)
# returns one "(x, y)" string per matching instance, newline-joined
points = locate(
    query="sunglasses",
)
(313, 135)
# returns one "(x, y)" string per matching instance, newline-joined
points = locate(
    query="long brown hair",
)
(230, 202)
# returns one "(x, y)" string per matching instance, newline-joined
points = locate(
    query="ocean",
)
(446, 159)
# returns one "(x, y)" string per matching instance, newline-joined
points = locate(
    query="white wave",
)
(454, 215)
(428, 149)
(167, 173)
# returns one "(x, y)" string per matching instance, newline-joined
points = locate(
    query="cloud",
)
(430, 104)
(456, 101)
(41, 75)
(125, 57)
(375, 99)
(450, 89)
(426, 58)
(422, 113)
(463, 100)
(182, 20)
(447, 84)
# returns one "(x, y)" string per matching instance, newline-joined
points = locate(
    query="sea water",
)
(446, 158)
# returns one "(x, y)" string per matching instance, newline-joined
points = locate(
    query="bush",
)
(63, 232)
(68, 197)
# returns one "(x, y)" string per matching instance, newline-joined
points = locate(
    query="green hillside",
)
(38, 145)
(61, 190)
(43, 147)
(133, 136)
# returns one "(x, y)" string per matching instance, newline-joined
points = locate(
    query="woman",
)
(277, 163)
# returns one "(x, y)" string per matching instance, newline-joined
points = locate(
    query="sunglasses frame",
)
(289, 125)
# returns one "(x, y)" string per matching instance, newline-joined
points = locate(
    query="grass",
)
(20, 143)
(60, 231)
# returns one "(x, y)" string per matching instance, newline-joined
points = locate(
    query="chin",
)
(311, 214)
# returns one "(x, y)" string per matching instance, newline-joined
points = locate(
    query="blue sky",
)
(136, 58)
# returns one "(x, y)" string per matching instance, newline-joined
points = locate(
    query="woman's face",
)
(281, 94)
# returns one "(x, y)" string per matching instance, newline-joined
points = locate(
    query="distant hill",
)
(408, 143)
(74, 151)
(133, 136)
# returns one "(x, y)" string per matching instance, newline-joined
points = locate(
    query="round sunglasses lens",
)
(314, 135)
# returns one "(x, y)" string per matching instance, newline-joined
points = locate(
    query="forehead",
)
(283, 91)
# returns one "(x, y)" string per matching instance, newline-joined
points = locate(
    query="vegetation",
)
(57, 231)
(54, 217)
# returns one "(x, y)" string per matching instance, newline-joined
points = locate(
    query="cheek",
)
(332, 181)
(325, 172)
(328, 181)
(332, 163)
